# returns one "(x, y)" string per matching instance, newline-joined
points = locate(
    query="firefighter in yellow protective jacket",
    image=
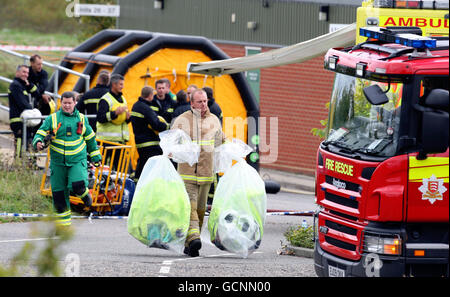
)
(113, 117)
(205, 129)
(70, 138)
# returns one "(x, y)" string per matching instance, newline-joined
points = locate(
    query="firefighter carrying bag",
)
(238, 210)
(160, 211)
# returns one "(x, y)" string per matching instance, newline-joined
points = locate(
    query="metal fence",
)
(54, 93)
(56, 68)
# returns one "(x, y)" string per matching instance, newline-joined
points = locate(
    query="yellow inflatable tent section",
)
(144, 57)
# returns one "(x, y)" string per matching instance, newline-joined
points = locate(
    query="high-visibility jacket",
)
(72, 140)
(108, 130)
(207, 132)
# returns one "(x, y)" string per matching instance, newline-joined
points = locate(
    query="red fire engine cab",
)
(382, 179)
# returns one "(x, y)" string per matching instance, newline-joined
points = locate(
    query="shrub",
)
(300, 236)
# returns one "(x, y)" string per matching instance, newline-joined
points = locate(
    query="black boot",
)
(194, 246)
(87, 199)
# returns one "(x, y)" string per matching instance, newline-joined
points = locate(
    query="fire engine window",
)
(430, 83)
(358, 126)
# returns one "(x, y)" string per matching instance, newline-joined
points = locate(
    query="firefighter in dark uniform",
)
(168, 90)
(146, 127)
(19, 101)
(39, 77)
(89, 101)
(163, 104)
(214, 108)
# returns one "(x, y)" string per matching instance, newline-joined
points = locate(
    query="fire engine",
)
(382, 178)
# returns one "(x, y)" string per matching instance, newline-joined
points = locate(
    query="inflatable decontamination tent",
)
(144, 57)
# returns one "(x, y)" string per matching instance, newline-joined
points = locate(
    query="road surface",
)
(104, 248)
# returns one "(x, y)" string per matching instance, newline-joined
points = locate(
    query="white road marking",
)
(26, 239)
(165, 269)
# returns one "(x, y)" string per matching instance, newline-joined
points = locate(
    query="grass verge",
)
(9, 63)
(29, 37)
(20, 193)
(20, 189)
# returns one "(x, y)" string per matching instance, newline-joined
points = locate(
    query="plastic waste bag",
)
(160, 210)
(179, 147)
(229, 151)
(236, 221)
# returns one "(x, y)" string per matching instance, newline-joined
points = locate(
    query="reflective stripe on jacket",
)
(69, 146)
(207, 132)
(146, 124)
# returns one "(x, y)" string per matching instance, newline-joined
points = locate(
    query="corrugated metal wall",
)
(282, 23)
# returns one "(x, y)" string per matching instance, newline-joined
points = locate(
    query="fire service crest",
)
(432, 189)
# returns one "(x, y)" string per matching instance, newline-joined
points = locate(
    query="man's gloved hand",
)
(97, 161)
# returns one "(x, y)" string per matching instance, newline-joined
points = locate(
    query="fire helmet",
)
(121, 117)
(31, 113)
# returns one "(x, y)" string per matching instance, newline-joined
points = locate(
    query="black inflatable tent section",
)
(121, 50)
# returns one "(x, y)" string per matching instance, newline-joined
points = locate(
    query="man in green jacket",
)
(71, 139)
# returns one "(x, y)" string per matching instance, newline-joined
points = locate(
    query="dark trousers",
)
(146, 153)
(17, 129)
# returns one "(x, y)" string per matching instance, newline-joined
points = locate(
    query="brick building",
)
(294, 94)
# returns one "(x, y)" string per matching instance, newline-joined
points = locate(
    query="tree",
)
(91, 25)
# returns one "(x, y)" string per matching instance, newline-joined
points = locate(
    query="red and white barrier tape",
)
(37, 48)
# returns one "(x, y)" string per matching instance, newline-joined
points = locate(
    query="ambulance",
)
(431, 16)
